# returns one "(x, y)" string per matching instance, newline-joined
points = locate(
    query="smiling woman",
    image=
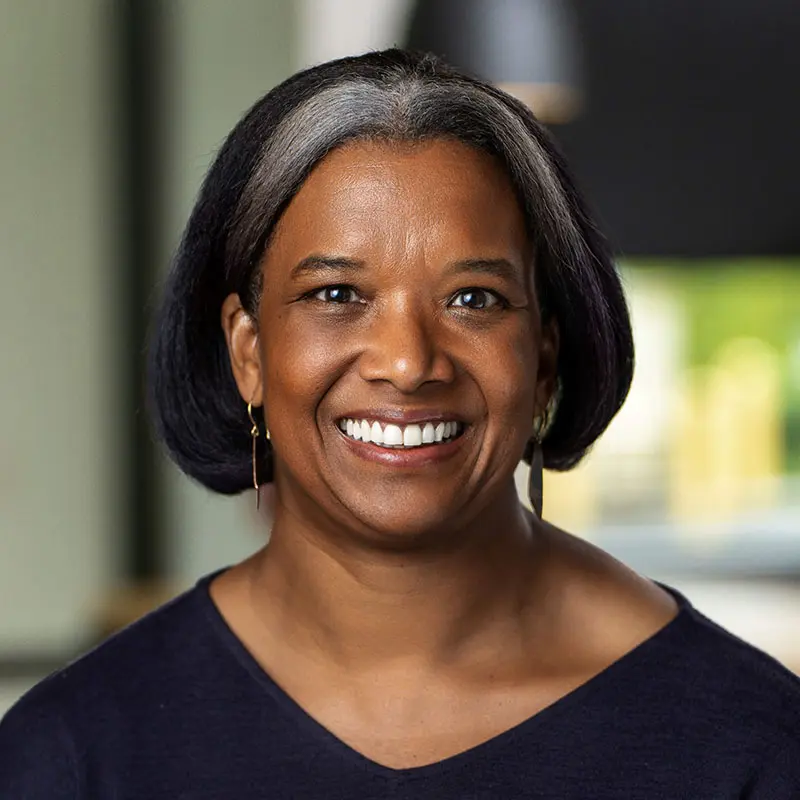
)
(412, 263)
(388, 294)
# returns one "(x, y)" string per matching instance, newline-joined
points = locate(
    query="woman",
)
(388, 293)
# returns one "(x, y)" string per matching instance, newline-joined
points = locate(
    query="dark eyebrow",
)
(500, 267)
(316, 263)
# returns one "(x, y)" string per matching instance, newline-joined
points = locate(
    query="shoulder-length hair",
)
(399, 96)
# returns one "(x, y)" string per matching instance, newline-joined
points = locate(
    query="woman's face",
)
(399, 351)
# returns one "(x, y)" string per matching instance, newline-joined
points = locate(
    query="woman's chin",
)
(408, 522)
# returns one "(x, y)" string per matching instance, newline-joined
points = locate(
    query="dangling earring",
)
(254, 437)
(536, 475)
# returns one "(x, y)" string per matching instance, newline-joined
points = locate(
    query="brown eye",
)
(475, 299)
(337, 294)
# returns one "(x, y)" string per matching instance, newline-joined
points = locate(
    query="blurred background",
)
(681, 120)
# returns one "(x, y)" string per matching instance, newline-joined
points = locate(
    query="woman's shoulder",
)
(150, 652)
(97, 695)
(725, 668)
(724, 699)
(695, 675)
(678, 660)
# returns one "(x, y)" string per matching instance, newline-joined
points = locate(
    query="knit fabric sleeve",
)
(37, 754)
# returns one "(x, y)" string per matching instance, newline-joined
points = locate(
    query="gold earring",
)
(254, 437)
(540, 425)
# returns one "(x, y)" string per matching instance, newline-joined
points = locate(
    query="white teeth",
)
(412, 436)
(399, 436)
(392, 435)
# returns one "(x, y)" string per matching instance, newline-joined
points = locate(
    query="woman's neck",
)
(362, 607)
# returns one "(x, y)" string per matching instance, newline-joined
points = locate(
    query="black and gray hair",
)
(397, 96)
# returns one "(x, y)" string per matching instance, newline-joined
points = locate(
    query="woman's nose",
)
(403, 348)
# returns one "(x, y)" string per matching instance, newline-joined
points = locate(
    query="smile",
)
(398, 437)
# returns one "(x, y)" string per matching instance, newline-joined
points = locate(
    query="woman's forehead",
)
(407, 194)
(436, 161)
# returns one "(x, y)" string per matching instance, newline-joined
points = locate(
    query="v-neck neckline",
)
(485, 749)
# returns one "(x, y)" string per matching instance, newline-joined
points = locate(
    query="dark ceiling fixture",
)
(527, 47)
(687, 137)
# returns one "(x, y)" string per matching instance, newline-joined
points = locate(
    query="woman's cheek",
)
(305, 358)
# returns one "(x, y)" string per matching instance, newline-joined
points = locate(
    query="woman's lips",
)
(396, 453)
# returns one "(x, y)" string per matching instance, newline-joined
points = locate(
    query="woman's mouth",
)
(399, 437)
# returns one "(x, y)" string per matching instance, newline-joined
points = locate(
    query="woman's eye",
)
(476, 299)
(337, 294)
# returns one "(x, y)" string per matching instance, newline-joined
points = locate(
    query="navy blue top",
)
(175, 708)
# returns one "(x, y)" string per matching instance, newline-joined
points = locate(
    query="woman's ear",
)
(547, 376)
(241, 336)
